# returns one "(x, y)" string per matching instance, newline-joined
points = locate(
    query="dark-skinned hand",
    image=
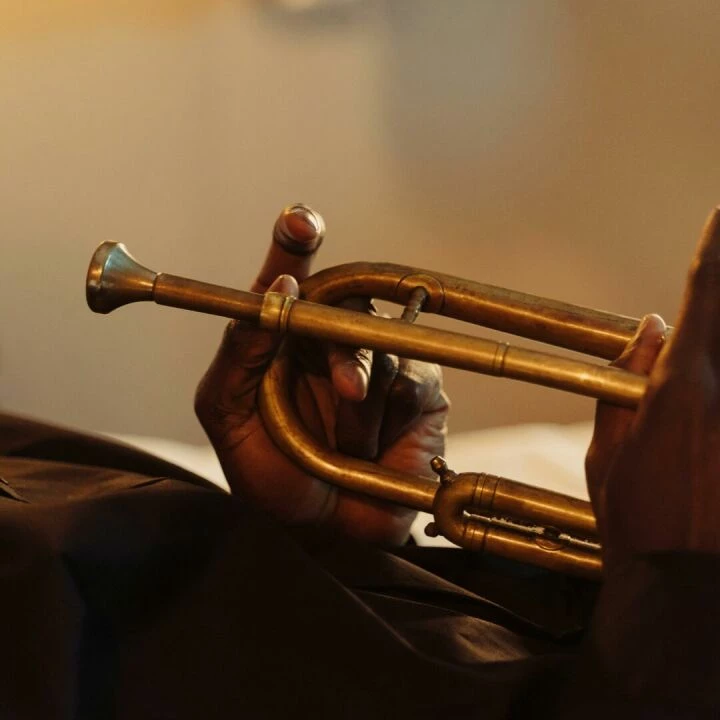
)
(368, 405)
(654, 473)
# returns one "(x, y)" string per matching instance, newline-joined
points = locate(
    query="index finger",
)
(297, 234)
(698, 322)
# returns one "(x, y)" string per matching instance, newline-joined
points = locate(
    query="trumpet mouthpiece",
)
(115, 278)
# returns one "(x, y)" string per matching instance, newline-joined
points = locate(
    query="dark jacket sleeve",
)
(134, 596)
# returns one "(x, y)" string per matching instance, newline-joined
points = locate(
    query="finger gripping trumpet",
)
(475, 510)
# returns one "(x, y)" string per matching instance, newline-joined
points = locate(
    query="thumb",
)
(612, 423)
(226, 397)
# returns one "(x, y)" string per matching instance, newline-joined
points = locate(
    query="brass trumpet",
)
(474, 510)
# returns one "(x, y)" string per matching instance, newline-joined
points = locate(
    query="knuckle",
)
(363, 357)
(446, 402)
(209, 413)
(593, 458)
(408, 394)
(418, 386)
(386, 367)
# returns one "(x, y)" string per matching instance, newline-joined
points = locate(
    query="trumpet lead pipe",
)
(115, 279)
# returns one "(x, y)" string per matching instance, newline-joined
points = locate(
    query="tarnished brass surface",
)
(120, 280)
(115, 278)
(473, 510)
(289, 434)
(486, 513)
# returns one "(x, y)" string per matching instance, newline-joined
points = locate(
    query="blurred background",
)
(568, 149)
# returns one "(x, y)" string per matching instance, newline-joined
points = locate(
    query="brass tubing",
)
(473, 510)
(178, 292)
(283, 425)
(594, 332)
(568, 559)
(453, 507)
(444, 347)
(464, 352)
(488, 495)
(497, 496)
(113, 281)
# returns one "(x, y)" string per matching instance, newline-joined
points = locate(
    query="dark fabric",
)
(131, 589)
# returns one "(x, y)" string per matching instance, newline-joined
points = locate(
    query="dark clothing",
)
(132, 589)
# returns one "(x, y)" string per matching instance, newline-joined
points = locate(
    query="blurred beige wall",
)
(568, 149)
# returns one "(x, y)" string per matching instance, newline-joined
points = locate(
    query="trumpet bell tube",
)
(478, 511)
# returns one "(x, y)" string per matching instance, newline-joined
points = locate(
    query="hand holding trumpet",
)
(395, 412)
(375, 407)
(367, 405)
(652, 467)
(654, 474)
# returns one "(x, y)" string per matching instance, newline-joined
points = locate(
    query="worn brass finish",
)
(115, 279)
(474, 510)
(480, 512)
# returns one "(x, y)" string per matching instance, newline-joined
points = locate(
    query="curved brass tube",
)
(289, 434)
(480, 512)
(473, 510)
(574, 327)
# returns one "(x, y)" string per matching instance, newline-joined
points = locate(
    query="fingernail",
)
(354, 380)
(645, 324)
(285, 284)
(299, 230)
